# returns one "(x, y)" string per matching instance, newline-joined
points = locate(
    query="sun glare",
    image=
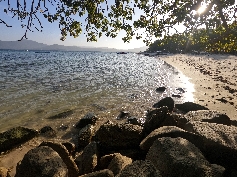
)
(202, 8)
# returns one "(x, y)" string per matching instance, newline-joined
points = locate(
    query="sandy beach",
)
(214, 78)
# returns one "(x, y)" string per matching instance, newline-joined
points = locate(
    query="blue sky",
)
(51, 33)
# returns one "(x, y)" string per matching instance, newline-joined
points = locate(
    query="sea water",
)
(36, 86)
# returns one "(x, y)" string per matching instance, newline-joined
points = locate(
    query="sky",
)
(51, 33)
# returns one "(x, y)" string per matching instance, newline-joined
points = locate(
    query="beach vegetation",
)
(141, 19)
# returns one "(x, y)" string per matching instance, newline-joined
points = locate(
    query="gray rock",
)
(89, 158)
(158, 117)
(140, 168)
(118, 163)
(73, 171)
(101, 173)
(161, 89)
(85, 135)
(219, 142)
(173, 132)
(190, 106)
(119, 136)
(48, 131)
(167, 101)
(89, 118)
(178, 157)
(41, 161)
(207, 116)
(15, 136)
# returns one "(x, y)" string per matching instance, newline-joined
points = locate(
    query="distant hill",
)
(32, 45)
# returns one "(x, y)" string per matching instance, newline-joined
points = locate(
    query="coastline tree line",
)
(210, 40)
(139, 19)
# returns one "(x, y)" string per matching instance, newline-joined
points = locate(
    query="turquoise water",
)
(35, 86)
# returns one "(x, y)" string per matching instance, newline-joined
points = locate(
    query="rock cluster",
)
(198, 143)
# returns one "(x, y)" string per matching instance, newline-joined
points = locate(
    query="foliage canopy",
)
(95, 18)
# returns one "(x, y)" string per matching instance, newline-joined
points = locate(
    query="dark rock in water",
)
(219, 142)
(123, 115)
(15, 136)
(178, 157)
(205, 116)
(99, 107)
(181, 90)
(173, 132)
(61, 115)
(89, 158)
(89, 118)
(48, 131)
(160, 89)
(190, 106)
(176, 95)
(140, 168)
(156, 118)
(101, 173)
(119, 136)
(41, 161)
(63, 127)
(85, 136)
(64, 154)
(118, 163)
(133, 120)
(168, 101)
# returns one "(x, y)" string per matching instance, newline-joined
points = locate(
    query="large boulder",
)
(41, 161)
(85, 135)
(118, 163)
(140, 168)
(158, 117)
(167, 101)
(89, 158)
(73, 170)
(205, 116)
(219, 142)
(101, 173)
(190, 106)
(178, 157)
(15, 136)
(173, 132)
(119, 136)
(89, 118)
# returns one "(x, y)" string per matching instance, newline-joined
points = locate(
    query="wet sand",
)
(214, 78)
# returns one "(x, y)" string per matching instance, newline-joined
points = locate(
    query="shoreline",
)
(214, 78)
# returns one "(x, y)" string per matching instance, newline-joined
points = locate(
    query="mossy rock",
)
(62, 115)
(15, 136)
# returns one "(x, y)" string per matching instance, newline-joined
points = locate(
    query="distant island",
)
(33, 45)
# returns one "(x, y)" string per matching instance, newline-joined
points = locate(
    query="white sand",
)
(214, 78)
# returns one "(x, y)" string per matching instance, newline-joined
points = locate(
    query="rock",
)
(89, 118)
(133, 120)
(89, 158)
(62, 115)
(48, 131)
(158, 117)
(167, 101)
(118, 163)
(219, 142)
(73, 171)
(160, 89)
(85, 135)
(206, 116)
(189, 106)
(178, 157)
(41, 161)
(15, 136)
(105, 160)
(70, 147)
(123, 115)
(4, 172)
(173, 132)
(101, 173)
(119, 136)
(139, 168)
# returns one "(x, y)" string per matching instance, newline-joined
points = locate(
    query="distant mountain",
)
(32, 45)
